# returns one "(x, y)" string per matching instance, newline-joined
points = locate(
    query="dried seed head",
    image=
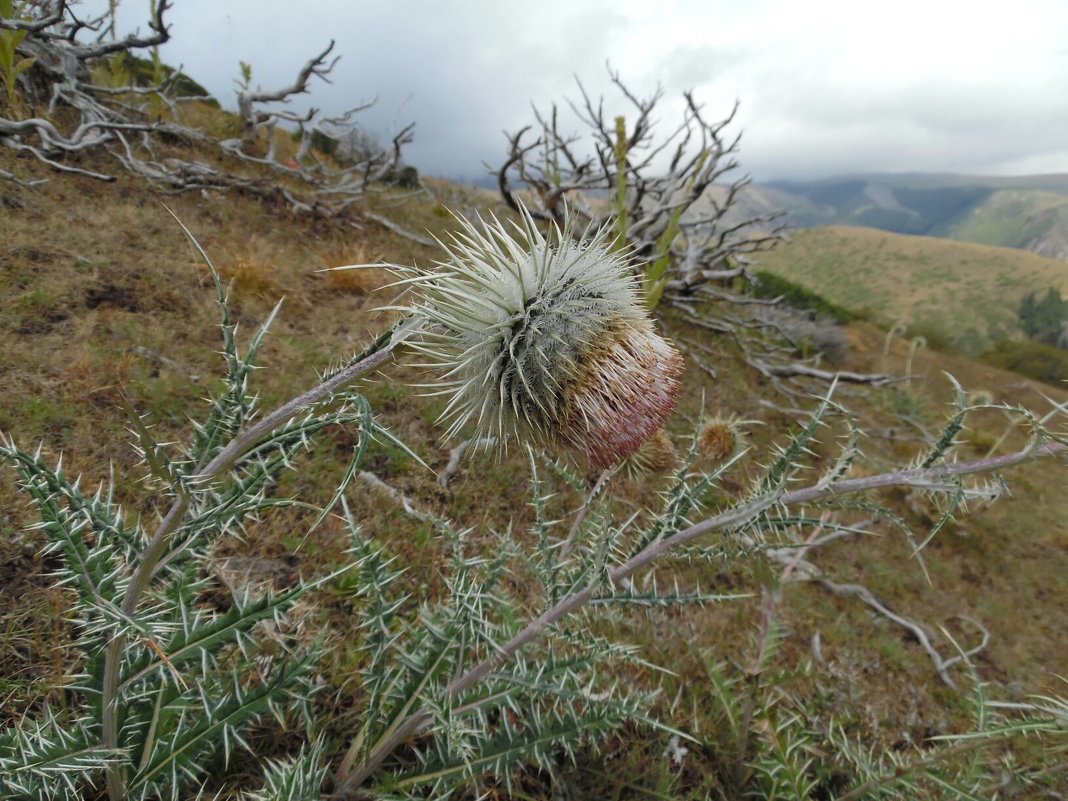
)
(546, 340)
(721, 438)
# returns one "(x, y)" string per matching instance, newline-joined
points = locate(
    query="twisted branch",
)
(108, 115)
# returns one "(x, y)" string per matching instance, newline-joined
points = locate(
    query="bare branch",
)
(252, 120)
(373, 481)
(160, 35)
(55, 165)
(39, 24)
(875, 379)
(312, 182)
(941, 664)
(10, 176)
(457, 453)
(316, 66)
(668, 180)
(385, 222)
(164, 361)
(795, 560)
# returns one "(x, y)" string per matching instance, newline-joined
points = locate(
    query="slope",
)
(1031, 220)
(958, 294)
(106, 304)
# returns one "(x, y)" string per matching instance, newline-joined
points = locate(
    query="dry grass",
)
(1011, 555)
(95, 276)
(250, 268)
(362, 281)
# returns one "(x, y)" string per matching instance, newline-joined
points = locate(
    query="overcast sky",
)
(826, 87)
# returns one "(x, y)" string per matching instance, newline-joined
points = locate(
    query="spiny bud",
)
(721, 438)
(545, 339)
(657, 455)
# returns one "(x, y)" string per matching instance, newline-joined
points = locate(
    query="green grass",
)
(1033, 220)
(1032, 359)
(772, 285)
(966, 293)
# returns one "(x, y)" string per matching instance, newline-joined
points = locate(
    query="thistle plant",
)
(167, 686)
(722, 437)
(542, 340)
(657, 456)
(767, 743)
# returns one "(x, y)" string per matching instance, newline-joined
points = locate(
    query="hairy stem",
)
(375, 354)
(725, 520)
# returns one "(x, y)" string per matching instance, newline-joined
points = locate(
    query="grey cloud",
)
(689, 66)
(468, 69)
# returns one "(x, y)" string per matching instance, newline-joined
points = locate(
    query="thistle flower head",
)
(545, 339)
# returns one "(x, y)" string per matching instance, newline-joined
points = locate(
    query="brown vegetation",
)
(105, 303)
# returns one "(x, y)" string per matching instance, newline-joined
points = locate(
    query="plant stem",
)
(740, 515)
(373, 356)
(565, 549)
(622, 147)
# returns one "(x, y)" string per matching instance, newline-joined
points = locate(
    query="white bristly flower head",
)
(545, 340)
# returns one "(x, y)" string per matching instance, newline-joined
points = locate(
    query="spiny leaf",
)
(231, 713)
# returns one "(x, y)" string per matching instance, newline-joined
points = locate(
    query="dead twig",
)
(457, 453)
(164, 361)
(941, 664)
(695, 195)
(322, 182)
(794, 560)
(10, 176)
(373, 481)
(399, 230)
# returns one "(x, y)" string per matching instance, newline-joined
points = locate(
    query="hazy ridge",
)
(1026, 212)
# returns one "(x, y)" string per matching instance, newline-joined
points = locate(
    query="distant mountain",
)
(1034, 220)
(1026, 212)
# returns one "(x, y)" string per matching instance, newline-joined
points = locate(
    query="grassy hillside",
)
(955, 293)
(1031, 220)
(106, 303)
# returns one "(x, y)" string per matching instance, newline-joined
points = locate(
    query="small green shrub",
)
(407, 177)
(1032, 359)
(796, 296)
(150, 72)
(404, 177)
(1043, 320)
(809, 332)
(936, 336)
